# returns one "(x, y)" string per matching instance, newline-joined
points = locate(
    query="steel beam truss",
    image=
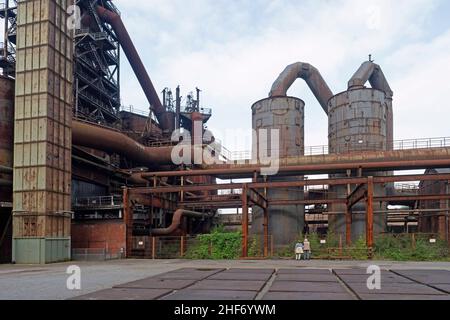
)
(251, 195)
(97, 66)
(8, 12)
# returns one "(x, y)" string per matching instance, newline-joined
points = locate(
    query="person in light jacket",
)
(307, 249)
(298, 251)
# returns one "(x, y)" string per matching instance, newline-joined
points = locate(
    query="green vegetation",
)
(217, 245)
(408, 247)
(220, 244)
(396, 247)
(331, 249)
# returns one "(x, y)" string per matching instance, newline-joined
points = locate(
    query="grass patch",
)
(220, 245)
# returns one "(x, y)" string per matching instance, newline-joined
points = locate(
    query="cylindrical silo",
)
(358, 122)
(6, 135)
(285, 114)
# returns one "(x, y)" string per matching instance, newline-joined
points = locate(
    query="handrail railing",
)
(406, 144)
(100, 201)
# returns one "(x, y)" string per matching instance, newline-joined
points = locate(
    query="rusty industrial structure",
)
(80, 172)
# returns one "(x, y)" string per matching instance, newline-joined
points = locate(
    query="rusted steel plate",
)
(307, 277)
(304, 271)
(236, 285)
(152, 283)
(125, 294)
(198, 270)
(293, 286)
(403, 297)
(187, 275)
(249, 270)
(350, 271)
(307, 296)
(427, 276)
(385, 278)
(240, 276)
(189, 294)
(395, 288)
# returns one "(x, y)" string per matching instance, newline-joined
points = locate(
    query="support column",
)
(128, 219)
(369, 214)
(266, 232)
(244, 221)
(43, 136)
(348, 225)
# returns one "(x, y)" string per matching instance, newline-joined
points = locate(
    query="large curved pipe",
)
(176, 221)
(371, 72)
(308, 73)
(116, 23)
(109, 140)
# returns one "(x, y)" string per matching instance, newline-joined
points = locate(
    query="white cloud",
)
(234, 50)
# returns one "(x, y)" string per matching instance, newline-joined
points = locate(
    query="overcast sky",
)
(234, 50)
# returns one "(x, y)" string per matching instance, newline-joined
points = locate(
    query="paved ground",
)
(231, 280)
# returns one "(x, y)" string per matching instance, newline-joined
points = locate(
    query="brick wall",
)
(107, 235)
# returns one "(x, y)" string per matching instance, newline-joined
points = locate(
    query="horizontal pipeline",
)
(287, 184)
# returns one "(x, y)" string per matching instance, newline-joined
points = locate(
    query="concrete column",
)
(43, 137)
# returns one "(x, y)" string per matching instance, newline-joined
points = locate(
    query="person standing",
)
(298, 251)
(307, 249)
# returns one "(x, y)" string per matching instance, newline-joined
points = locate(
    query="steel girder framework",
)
(96, 59)
(97, 66)
(8, 12)
(254, 193)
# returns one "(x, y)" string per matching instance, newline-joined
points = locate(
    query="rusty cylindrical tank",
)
(358, 122)
(6, 134)
(287, 115)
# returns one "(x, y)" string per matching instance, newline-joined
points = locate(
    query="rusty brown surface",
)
(235, 285)
(286, 184)
(42, 123)
(176, 221)
(125, 294)
(245, 221)
(332, 163)
(297, 286)
(107, 139)
(136, 63)
(308, 73)
(289, 284)
(128, 218)
(154, 283)
(369, 214)
(212, 295)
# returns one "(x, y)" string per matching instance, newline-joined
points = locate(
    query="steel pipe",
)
(176, 221)
(287, 184)
(371, 72)
(326, 167)
(308, 73)
(110, 140)
(128, 47)
(4, 169)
